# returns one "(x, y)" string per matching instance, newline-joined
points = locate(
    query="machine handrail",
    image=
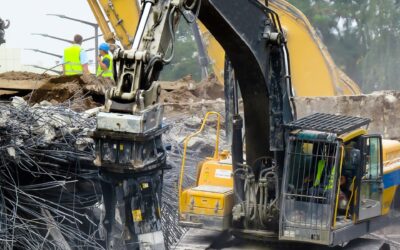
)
(338, 188)
(185, 143)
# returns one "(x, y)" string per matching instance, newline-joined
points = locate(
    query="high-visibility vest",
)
(72, 60)
(320, 168)
(106, 73)
(331, 179)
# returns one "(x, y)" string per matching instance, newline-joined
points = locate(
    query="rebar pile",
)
(47, 182)
(50, 195)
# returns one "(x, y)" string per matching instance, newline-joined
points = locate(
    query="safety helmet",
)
(105, 47)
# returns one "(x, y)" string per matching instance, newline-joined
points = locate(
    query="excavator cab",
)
(332, 188)
(309, 184)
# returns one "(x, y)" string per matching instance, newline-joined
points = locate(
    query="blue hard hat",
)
(105, 47)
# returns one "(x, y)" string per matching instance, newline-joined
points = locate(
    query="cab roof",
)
(336, 124)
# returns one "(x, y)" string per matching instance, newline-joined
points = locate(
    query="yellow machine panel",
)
(209, 205)
(214, 173)
(391, 173)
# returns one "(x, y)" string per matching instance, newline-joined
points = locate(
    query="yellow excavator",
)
(321, 179)
(304, 45)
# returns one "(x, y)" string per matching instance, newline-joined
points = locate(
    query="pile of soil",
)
(208, 89)
(74, 89)
(23, 75)
(61, 89)
(56, 93)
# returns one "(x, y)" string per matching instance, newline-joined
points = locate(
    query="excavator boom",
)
(129, 148)
(308, 53)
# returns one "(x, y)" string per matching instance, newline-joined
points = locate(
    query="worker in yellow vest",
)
(105, 68)
(75, 60)
(329, 180)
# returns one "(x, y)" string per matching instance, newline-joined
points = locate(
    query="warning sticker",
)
(222, 173)
(137, 215)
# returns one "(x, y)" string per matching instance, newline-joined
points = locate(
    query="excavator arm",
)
(129, 130)
(308, 53)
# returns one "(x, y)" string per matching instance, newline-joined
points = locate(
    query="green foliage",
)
(362, 36)
(185, 60)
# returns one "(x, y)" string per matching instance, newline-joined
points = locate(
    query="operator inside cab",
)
(105, 68)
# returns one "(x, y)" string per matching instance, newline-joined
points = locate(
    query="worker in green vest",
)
(329, 180)
(75, 60)
(105, 68)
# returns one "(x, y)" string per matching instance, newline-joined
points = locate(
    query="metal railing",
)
(185, 144)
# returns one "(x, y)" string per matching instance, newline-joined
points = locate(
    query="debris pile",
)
(55, 89)
(47, 181)
(69, 88)
(24, 75)
(190, 96)
(51, 195)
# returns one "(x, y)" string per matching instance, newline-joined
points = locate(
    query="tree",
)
(363, 37)
(185, 60)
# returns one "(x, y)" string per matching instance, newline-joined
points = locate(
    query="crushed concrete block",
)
(18, 102)
(11, 152)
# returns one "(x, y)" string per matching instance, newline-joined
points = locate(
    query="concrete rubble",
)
(47, 181)
(45, 142)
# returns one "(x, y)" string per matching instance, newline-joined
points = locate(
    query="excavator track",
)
(199, 239)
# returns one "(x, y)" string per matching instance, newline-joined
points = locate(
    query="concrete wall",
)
(383, 108)
(10, 59)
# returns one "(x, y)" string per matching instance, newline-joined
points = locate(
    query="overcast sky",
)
(29, 16)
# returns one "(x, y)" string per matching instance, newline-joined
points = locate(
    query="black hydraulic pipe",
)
(237, 143)
(229, 81)
(237, 158)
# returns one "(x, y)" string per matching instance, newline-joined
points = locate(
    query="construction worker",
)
(328, 179)
(105, 68)
(324, 179)
(75, 60)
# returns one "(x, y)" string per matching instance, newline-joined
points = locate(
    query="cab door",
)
(370, 178)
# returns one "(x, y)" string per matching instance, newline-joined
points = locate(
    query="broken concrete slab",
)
(380, 107)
